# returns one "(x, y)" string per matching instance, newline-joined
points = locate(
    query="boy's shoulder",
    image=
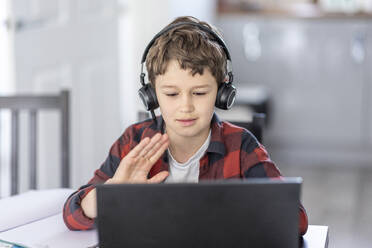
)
(233, 133)
(234, 137)
(240, 142)
(141, 129)
(147, 123)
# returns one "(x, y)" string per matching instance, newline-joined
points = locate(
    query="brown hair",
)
(192, 47)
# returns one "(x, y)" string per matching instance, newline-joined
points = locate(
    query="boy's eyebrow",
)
(197, 86)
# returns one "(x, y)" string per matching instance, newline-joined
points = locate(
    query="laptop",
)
(223, 213)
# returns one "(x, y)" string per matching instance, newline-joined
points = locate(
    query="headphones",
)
(226, 91)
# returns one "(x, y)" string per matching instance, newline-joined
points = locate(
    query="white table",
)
(31, 206)
(316, 236)
(50, 231)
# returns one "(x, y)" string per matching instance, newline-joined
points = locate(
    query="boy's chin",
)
(190, 132)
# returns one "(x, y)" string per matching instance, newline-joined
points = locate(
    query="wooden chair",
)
(32, 104)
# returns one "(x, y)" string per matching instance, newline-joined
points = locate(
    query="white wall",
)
(73, 45)
(6, 86)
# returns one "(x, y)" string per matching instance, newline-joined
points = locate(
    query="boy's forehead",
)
(176, 77)
(192, 86)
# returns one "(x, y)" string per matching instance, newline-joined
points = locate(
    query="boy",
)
(188, 142)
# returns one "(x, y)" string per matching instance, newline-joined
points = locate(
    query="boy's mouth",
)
(186, 122)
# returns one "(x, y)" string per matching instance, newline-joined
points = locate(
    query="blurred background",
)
(306, 64)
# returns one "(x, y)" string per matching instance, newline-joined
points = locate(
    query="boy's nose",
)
(186, 104)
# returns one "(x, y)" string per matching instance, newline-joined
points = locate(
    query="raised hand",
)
(136, 165)
(133, 168)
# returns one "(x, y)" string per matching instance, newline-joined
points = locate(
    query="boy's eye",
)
(171, 94)
(195, 93)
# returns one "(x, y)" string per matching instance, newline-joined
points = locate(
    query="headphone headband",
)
(202, 27)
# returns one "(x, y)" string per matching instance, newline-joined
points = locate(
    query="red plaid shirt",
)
(233, 152)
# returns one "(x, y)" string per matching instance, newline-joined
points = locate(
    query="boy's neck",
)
(182, 149)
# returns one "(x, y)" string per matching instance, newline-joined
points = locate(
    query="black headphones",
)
(226, 91)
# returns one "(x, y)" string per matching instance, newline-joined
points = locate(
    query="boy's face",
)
(186, 102)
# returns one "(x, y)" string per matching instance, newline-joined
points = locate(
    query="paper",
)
(5, 244)
(31, 206)
(50, 233)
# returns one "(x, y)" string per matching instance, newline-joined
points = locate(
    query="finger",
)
(152, 151)
(155, 139)
(155, 147)
(158, 178)
(138, 148)
(158, 153)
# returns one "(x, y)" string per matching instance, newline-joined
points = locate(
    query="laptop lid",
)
(226, 213)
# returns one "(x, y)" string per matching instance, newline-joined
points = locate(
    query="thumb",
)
(158, 178)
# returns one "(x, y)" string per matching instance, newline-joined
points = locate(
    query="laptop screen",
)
(226, 213)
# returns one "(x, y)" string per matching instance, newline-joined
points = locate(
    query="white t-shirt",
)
(188, 171)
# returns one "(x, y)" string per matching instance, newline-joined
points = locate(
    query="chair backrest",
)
(256, 126)
(32, 104)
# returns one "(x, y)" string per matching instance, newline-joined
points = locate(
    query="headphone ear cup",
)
(225, 96)
(148, 96)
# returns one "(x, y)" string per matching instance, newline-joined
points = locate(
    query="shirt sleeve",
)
(255, 162)
(73, 214)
